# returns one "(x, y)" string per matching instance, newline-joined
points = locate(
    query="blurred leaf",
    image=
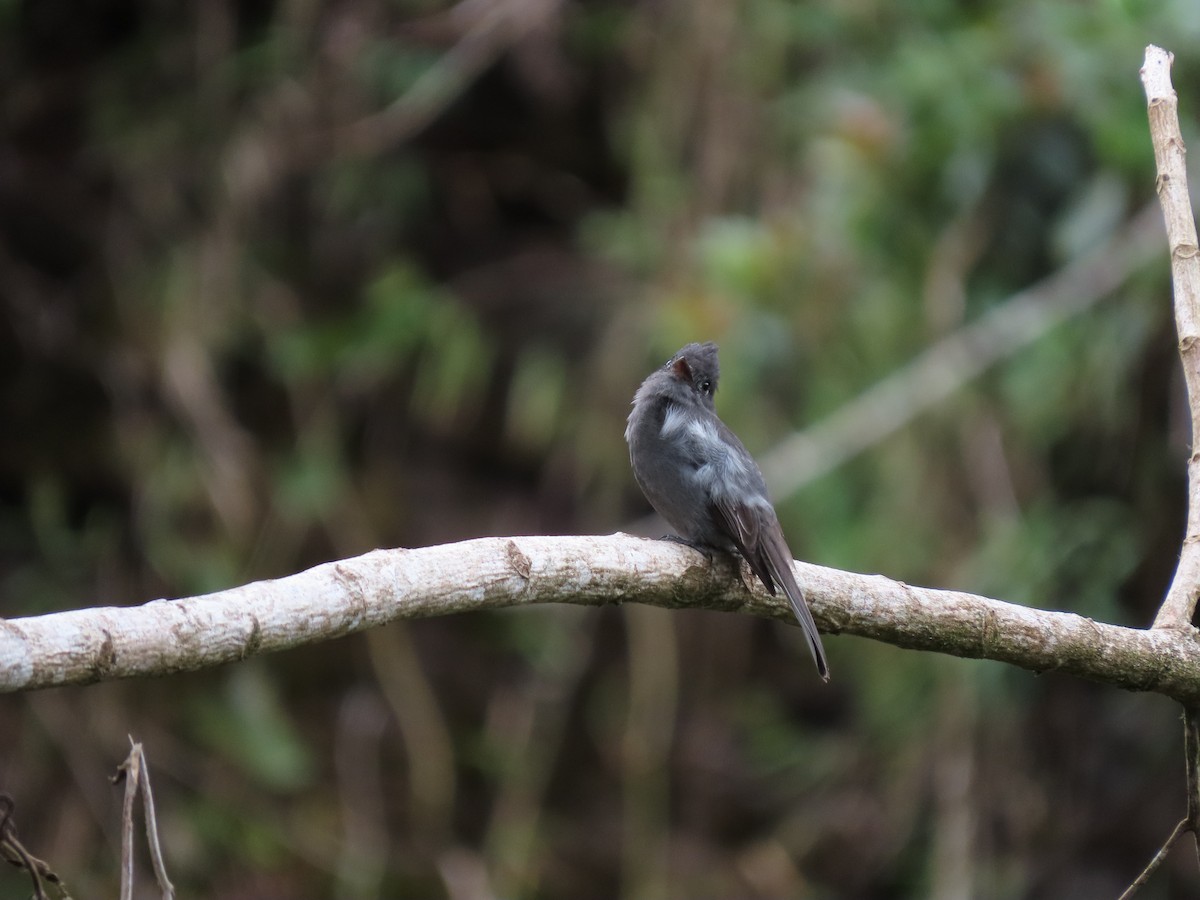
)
(250, 726)
(535, 404)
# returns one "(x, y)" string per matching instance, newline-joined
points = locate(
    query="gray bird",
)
(704, 482)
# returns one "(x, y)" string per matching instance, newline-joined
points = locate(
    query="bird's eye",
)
(706, 386)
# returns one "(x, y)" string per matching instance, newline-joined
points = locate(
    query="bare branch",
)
(339, 598)
(1169, 152)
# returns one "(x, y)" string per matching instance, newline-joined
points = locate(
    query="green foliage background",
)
(284, 283)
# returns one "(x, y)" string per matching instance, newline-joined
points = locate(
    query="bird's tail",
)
(779, 558)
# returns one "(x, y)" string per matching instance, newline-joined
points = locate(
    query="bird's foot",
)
(745, 572)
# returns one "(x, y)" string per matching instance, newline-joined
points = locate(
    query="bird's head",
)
(695, 367)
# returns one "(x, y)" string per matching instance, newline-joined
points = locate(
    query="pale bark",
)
(1170, 158)
(347, 596)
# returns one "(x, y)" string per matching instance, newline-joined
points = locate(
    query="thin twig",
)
(129, 771)
(1191, 821)
(1191, 753)
(13, 850)
(156, 857)
(1141, 880)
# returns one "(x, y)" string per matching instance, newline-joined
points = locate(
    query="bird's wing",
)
(743, 525)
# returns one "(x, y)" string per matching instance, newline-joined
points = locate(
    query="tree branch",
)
(340, 598)
(1163, 109)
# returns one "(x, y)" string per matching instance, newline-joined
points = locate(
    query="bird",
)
(701, 479)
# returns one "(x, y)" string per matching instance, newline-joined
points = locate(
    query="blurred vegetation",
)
(286, 282)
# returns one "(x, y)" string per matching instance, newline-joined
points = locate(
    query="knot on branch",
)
(521, 564)
(1183, 629)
